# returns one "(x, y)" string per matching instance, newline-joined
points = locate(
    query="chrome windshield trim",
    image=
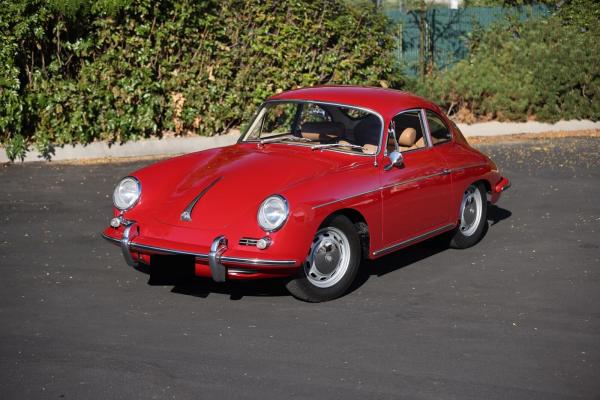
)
(413, 240)
(186, 215)
(242, 138)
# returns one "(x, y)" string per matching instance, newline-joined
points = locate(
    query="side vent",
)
(246, 241)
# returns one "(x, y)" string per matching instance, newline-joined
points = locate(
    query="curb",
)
(181, 145)
(140, 148)
(495, 128)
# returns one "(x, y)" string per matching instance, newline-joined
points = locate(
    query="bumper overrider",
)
(218, 262)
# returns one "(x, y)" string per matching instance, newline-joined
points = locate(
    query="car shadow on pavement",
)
(203, 287)
(185, 282)
(496, 214)
(420, 251)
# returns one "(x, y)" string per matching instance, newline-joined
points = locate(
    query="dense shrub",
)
(545, 69)
(77, 71)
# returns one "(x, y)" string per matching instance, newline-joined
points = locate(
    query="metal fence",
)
(447, 31)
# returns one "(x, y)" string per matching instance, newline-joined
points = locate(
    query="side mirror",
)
(396, 160)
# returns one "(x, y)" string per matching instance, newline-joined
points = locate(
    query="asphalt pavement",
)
(515, 317)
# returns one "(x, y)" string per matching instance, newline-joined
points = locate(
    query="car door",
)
(414, 196)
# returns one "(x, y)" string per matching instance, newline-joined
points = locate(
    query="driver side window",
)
(409, 132)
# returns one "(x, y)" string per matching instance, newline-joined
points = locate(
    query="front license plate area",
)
(171, 269)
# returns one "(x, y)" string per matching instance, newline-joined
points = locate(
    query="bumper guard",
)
(216, 259)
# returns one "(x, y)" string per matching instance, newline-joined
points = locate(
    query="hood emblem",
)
(186, 215)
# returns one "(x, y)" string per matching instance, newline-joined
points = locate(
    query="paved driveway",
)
(516, 317)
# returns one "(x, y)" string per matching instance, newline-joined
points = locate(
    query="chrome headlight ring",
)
(272, 213)
(127, 193)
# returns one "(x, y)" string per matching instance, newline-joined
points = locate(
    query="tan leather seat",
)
(419, 143)
(407, 139)
(322, 130)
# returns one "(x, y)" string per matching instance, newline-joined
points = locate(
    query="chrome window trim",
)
(413, 240)
(443, 122)
(427, 141)
(379, 148)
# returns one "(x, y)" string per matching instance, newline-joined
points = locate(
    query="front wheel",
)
(473, 217)
(332, 262)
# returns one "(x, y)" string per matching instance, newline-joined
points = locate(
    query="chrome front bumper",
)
(216, 259)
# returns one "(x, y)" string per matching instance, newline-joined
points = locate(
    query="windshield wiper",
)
(281, 139)
(328, 145)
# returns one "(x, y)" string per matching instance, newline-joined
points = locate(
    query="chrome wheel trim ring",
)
(471, 209)
(328, 259)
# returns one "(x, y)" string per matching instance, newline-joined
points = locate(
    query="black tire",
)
(470, 232)
(332, 262)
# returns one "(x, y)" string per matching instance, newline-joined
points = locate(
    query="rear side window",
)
(438, 129)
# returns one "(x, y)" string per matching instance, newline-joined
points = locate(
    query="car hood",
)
(230, 183)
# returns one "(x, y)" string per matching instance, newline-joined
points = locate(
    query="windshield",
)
(317, 125)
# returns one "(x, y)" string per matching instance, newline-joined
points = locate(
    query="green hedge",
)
(78, 71)
(544, 69)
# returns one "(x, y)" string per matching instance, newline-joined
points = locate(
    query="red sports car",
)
(322, 178)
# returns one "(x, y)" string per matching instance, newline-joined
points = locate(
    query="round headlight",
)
(127, 193)
(272, 213)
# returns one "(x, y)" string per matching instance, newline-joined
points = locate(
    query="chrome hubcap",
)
(470, 210)
(328, 258)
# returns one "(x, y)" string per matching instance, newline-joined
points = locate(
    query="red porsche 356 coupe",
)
(322, 178)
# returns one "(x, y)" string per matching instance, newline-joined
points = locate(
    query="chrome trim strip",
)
(420, 178)
(482, 164)
(345, 198)
(162, 250)
(443, 172)
(413, 240)
(186, 215)
(204, 256)
(111, 239)
(259, 261)
(242, 271)
(425, 125)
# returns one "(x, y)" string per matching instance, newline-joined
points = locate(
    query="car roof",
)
(387, 102)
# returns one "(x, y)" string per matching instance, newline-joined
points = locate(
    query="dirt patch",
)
(525, 137)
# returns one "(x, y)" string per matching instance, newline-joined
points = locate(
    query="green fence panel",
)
(447, 31)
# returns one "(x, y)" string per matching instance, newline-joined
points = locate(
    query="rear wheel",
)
(473, 217)
(331, 264)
